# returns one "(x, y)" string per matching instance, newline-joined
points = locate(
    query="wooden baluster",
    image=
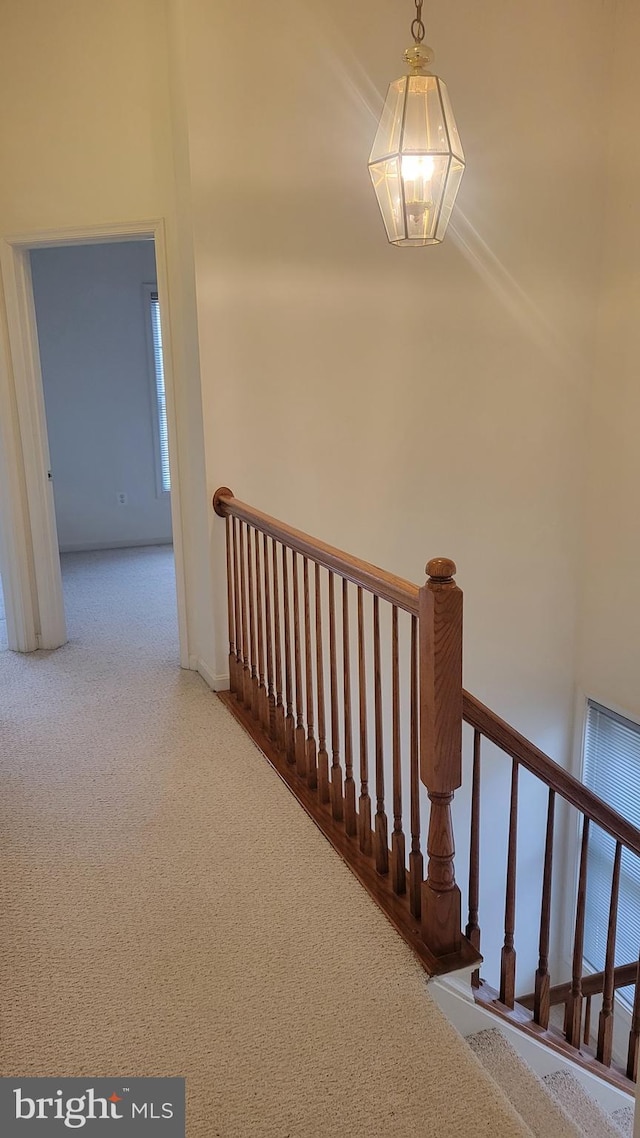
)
(398, 873)
(473, 928)
(312, 771)
(230, 605)
(323, 758)
(289, 723)
(440, 629)
(508, 958)
(253, 644)
(300, 748)
(246, 670)
(634, 1034)
(382, 840)
(271, 697)
(233, 590)
(263, 703)
(542, 1006)
(336, 769)
(350, 824)
(237, 671)
(279, 709)
(605, 1022)
(416, 860)
(574, 1009)
(364, 804)
(587, 1021)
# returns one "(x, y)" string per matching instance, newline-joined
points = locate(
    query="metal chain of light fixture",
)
(417, 26)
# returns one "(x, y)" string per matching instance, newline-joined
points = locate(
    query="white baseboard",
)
(216, 681)
(129, 543)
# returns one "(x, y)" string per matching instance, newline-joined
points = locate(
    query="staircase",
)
(554, 1106)
(349, 679)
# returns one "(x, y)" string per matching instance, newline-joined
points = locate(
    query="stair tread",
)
(623, 1119)
(581, 1106)
(542, 1112)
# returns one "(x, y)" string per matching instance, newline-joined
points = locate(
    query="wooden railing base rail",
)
(584, 1056)
(377, 885)
(624, 976)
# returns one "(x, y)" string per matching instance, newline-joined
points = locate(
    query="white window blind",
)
(612, 771)
(161, 402)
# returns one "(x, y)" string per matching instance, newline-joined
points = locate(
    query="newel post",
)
(440, 621)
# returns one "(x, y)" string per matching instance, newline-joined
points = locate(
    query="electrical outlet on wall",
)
(122, 498)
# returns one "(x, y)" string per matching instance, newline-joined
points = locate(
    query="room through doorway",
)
(99, 334)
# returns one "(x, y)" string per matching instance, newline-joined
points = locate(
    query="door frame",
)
(31, 576)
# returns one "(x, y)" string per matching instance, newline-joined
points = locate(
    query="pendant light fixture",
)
(417, 162)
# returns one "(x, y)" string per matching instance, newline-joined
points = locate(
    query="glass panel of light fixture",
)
(424, 125)
(453, 184)
(386, 183)
(387, 140)
(424, 186)
(454, 137)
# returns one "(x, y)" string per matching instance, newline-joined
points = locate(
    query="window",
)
(612, 771)
(160, 397)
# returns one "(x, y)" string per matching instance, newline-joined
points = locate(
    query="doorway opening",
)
(100, 346)
(90, 341)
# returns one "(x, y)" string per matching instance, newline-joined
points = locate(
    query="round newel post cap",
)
(221, 492)
(441, 569)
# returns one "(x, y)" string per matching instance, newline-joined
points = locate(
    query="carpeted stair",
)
(556, 1106)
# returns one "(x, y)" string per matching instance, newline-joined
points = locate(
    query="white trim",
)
(86, 235)
(34, 535)
(16, 557)
(217, 681)
(23, 339)
(172, 427)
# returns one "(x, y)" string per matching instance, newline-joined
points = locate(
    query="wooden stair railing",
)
(350, 681)
(533, 1011)
(595, 984)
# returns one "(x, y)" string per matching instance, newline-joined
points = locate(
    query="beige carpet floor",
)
(167, 907)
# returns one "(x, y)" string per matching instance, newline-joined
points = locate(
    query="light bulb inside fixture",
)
(417, 170)
(417, 167)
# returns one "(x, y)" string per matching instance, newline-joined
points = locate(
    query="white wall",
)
(90, 141)
(408, 403)
(93, 322)
(609, 662)
(428, 400)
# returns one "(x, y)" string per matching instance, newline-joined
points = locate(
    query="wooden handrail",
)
(292, 667)
(510, 741)
(623, 977)
(377, 581)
